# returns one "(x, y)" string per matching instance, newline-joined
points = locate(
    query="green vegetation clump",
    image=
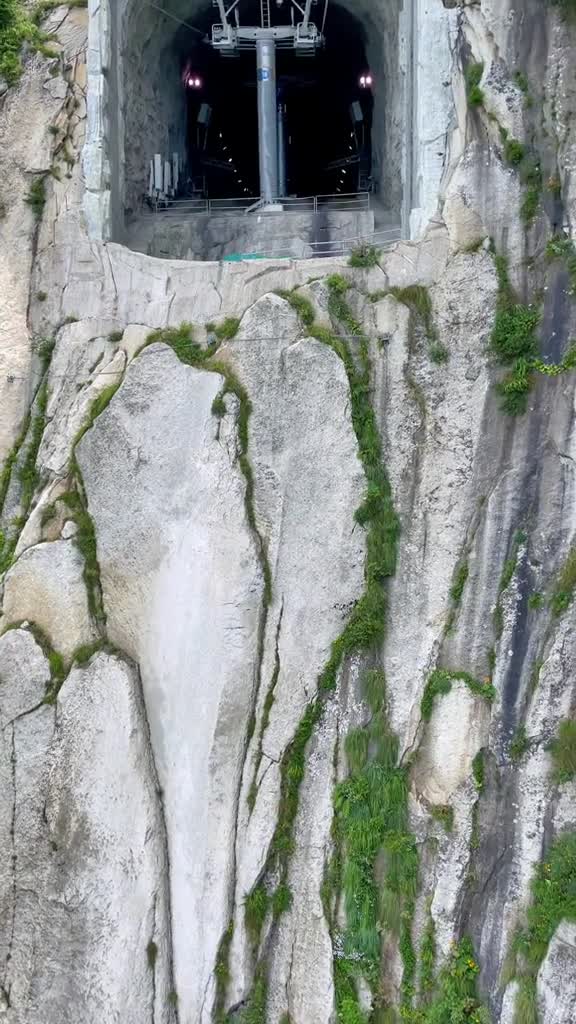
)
(300, 304)
(33, 430)
(364, 256)
(219, 406)
(553, 901)
(513, 342)
(440, 682)
(427, 960)
(457, 1000)
(563, 750)
(444, 814)
(36, 197)
(85, 540)
(417, 298)
(460, 579)
(478, 771)
(514, 152)
(151, 954)
(255, 909)
(83, 653)
(222, 972)
(563, 594)
(281, 899)
(255, 1010)
(225, 331)
(520, 743)
(562, 248)
(531, 177)
(16, 28)
(371, 819)
(473, 91)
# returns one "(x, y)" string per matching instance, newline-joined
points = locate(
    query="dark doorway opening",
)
(327, 111)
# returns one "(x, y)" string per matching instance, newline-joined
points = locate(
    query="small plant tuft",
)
(444, 814)
(364, 256)
(151, 954)
(563, 750)
(563, 594)
(519, 744)
(473, 91)
(36, 197)
(255, 910)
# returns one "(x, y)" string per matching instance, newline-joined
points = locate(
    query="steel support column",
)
(281, 151)
(267, 117)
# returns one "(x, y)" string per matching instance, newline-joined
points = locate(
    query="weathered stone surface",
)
(456, 732)
(46, 587)
(182, 589)
(557, 977)
(86, 889)
(308, 482)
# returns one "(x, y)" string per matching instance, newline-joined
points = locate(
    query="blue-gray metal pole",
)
(281, 151)
(267, 117)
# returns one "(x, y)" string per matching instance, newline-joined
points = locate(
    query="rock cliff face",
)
(287, 665)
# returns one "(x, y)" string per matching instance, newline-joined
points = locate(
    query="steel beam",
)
(281, 151)
(267, 117)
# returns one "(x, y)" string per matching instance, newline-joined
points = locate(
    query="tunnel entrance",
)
(181, 122)
(324, 102)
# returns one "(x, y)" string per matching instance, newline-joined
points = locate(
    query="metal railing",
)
(318, 250)
(352, 202)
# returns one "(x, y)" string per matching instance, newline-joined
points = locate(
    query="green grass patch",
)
(563, 593)
(17, 28)
(514, 152)
(444, 814)
(427, 960)
(226, 330)
(100, 403)
(519, 744)
(562, 248)
(300, 304)
(219, 406)
(281, 899)
(85, 540)
(474, 92)
(36, 195)
(151, 954)
(417, 298)
(563, 750)
(256, 906)
(83, 653)
(553, 901)
(376, 783)
(457, 999)
(457, 588)
(371, 821)
(478, 771)
(255, 1010)
(440, 682)
(536, 601)
(513, 342)
(222, 973)
(364, 256)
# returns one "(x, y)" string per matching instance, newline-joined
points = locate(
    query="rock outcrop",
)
(287, 549)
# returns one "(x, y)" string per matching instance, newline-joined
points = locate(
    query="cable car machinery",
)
(229, 36)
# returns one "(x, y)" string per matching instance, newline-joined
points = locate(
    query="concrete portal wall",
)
(209, 237)
(135, 103)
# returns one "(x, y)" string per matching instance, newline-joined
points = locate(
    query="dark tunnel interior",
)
(328, 139)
